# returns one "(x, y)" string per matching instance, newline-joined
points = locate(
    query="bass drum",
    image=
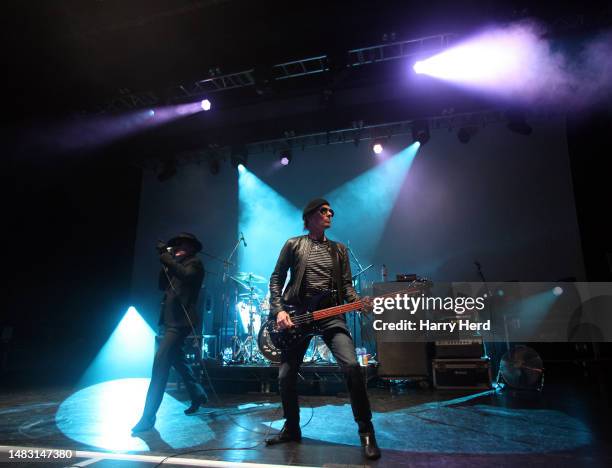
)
(266, 347)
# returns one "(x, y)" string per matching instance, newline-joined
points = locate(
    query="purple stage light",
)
(519, 62)
(206, 105)
(285, 157)
(490, 59)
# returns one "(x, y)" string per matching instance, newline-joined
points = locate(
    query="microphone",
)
(242, 238)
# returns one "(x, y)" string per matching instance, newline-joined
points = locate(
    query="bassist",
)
(317, 265)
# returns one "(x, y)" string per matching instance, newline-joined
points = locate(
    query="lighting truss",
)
(283, 71)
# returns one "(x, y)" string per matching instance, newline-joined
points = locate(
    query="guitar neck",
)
(337, 310)
(344, 308)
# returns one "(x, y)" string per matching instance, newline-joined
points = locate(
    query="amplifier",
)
(462, 348)
(456, 374)
(402, 359)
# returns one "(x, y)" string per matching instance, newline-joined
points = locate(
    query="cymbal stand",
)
(226, 299)
(490, 307)
(250, 304)
(237, 345)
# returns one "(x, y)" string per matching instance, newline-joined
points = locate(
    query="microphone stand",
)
(358, 288)
(490, 301)
(214, 257)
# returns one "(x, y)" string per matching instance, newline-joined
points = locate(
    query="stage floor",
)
(566, 426)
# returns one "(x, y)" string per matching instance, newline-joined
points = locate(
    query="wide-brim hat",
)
(313, 205)
(185, 236)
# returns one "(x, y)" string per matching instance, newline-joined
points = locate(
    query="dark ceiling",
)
(73, 54)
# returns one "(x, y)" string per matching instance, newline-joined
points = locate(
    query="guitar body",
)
(283, 340)
(272, 340)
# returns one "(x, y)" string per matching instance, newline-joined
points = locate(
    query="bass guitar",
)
(272, 340)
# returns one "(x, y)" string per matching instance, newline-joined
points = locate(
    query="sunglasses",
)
(325, 211)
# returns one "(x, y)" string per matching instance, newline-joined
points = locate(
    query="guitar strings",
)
(339, 309)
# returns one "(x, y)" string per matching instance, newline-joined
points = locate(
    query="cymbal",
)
(250, 277)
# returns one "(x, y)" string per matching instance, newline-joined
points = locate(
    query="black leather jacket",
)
(293, 258)
(187, 275)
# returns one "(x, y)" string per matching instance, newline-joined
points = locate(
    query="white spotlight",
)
(206, 105)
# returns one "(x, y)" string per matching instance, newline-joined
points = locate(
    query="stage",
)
(415, 427)
(197, 186)
(314, 378)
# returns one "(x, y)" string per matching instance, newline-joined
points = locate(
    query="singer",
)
(181, 279)
(318, 264)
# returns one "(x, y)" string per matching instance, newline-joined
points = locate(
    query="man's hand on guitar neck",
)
(283, 320)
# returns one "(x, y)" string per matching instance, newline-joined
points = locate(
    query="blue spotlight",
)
(241, 168)
(374, 191)
(151, 113)
(260, 209)
(500, 292)
(206, 105)
(557, 290)
(113, 407)
(127, 353)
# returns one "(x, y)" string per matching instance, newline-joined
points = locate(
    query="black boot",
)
(287, 434)
(146, 423)
(196, 403)
(369, 445)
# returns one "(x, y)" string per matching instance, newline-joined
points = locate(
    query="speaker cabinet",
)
(401, 359)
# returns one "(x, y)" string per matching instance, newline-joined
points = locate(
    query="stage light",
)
(206, 105)
(419, 67)
(420, 131)
(285, 157)
(151, 113)
(516, 61)
(375, 190)
(378, 146)
(463, 135)
(241, 167)
(259, 208)
(487, 60)
(239, 156)
(128, 352)
(557, 290)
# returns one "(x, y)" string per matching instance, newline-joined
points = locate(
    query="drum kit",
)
(248, 345)
(251, 306)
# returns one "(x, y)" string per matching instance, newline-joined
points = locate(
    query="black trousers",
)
(170, 354)
(341, 346)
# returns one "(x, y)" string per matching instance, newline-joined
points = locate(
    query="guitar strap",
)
(337, 273)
